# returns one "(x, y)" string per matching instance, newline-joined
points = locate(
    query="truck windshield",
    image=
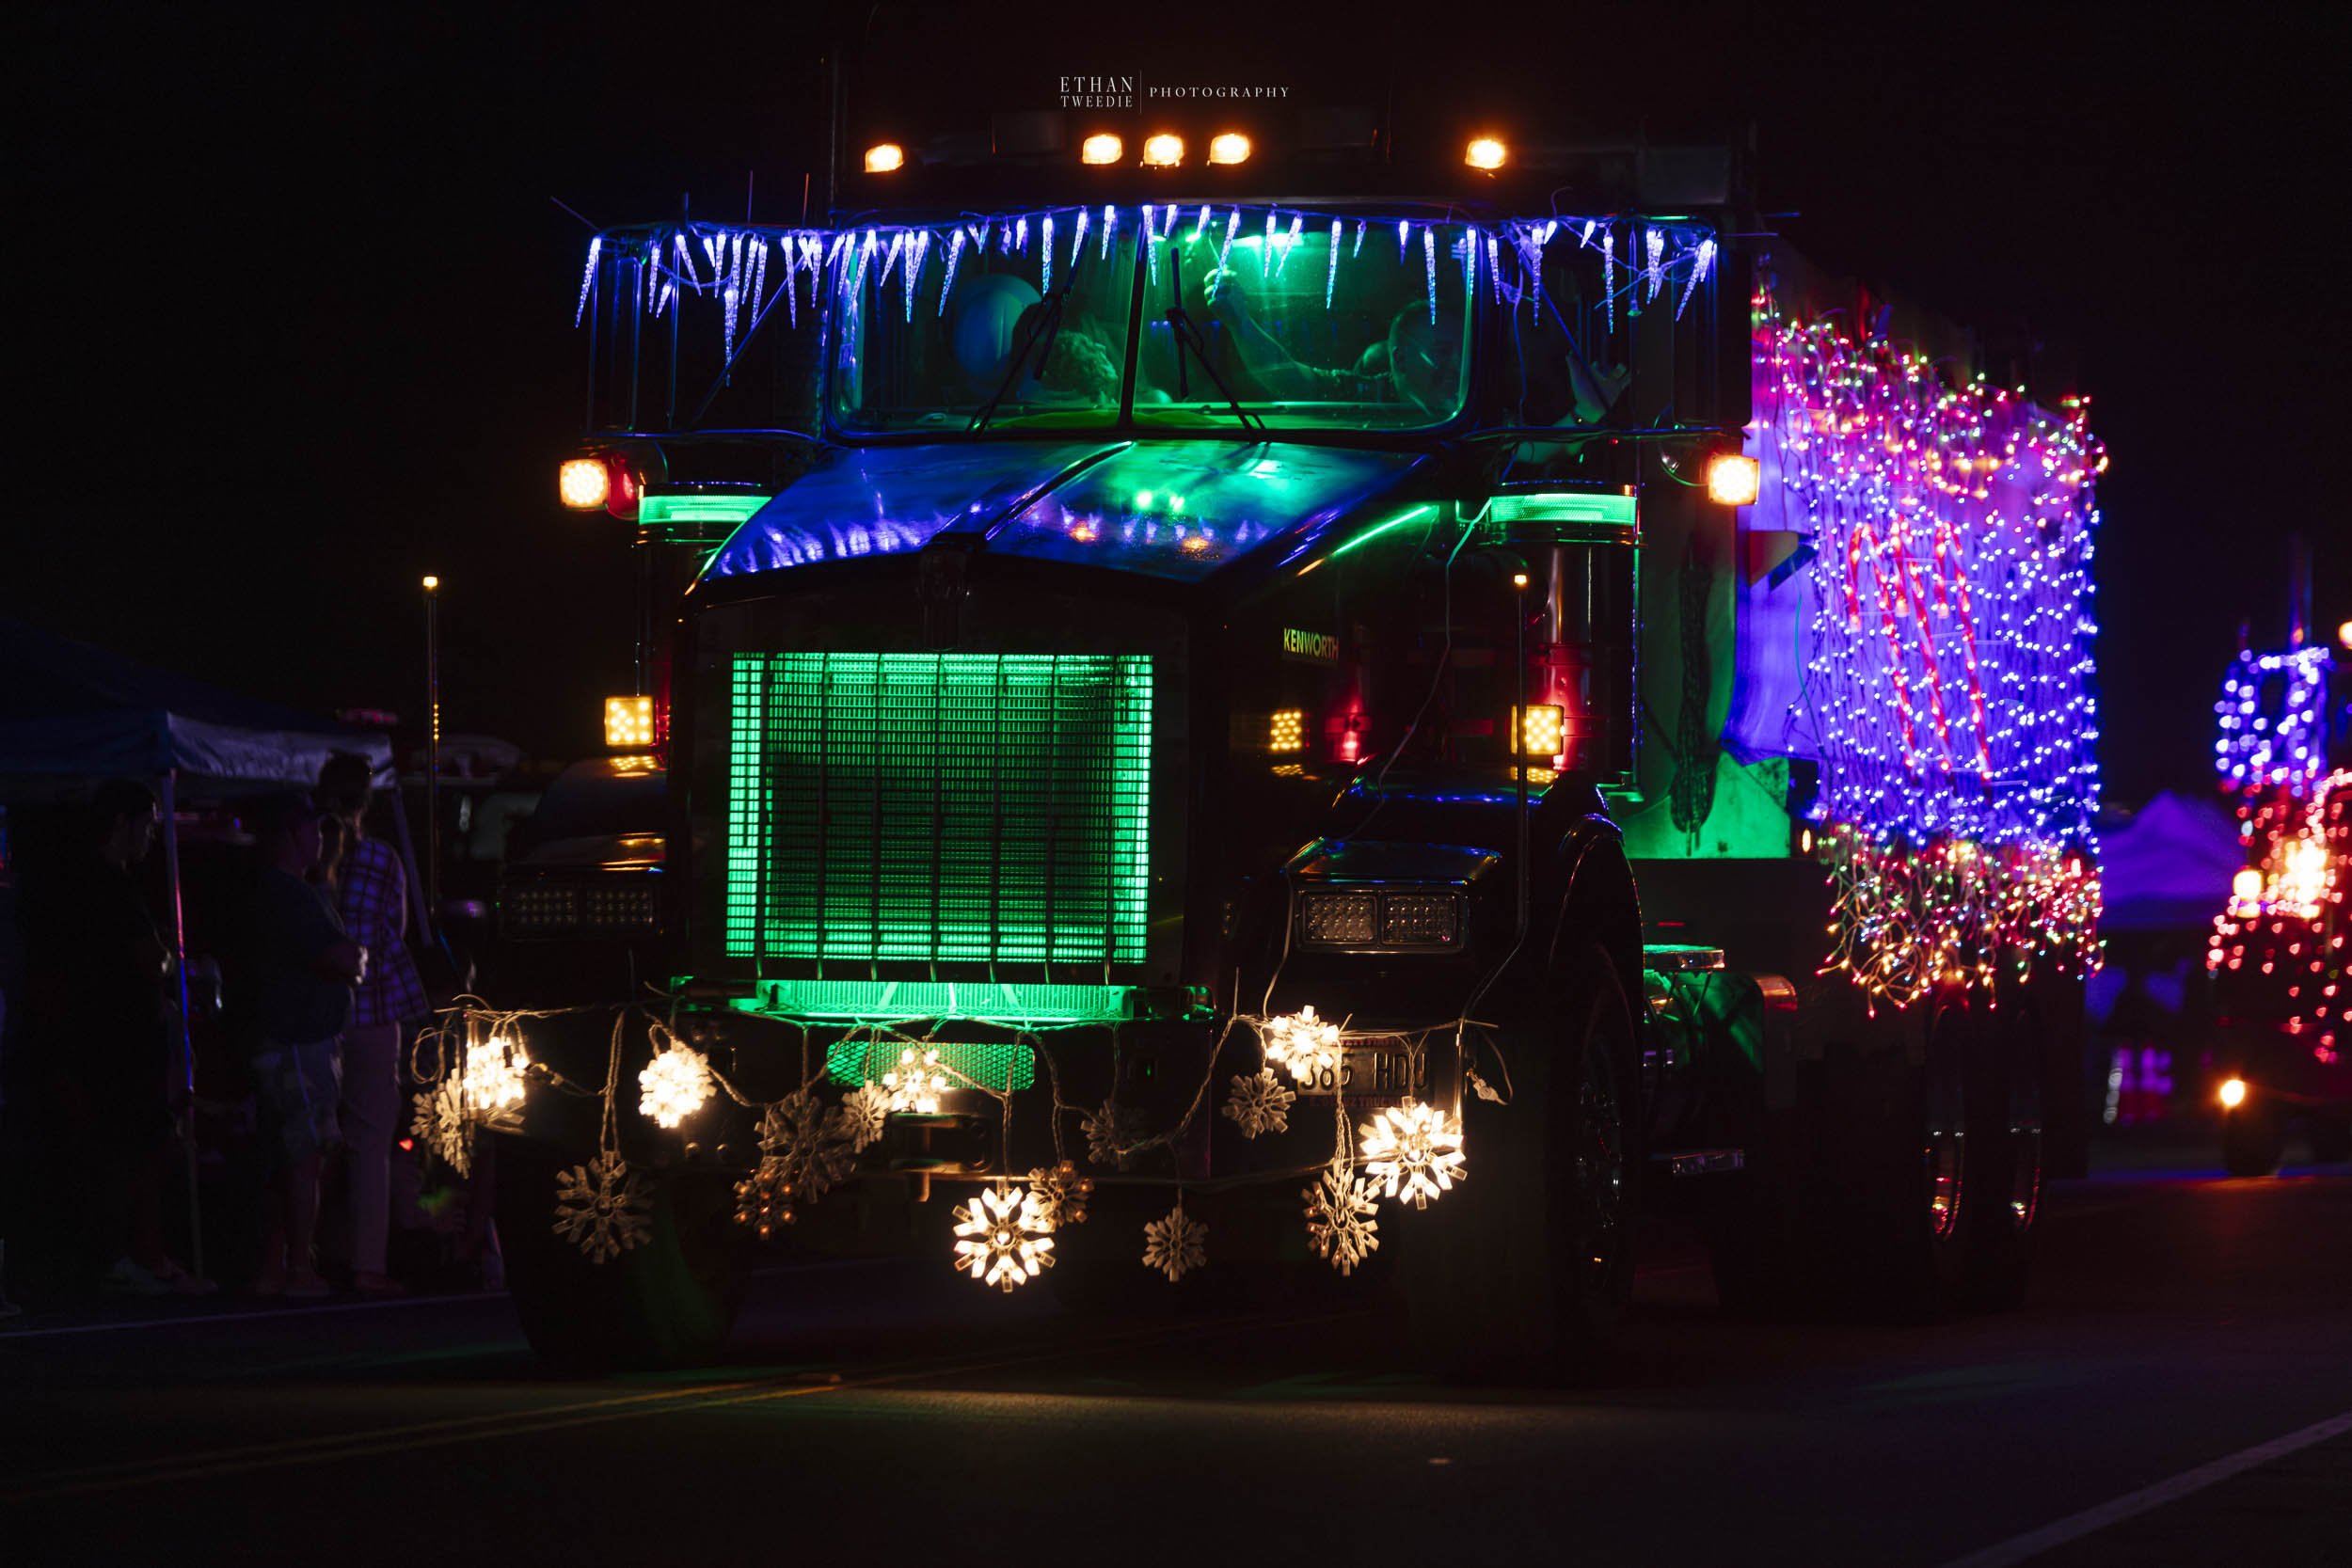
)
(1310, 322)
(1030, 325)
(1305, 323)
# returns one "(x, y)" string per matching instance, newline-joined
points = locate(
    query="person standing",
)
(371, 896)
(100, 968)
(296, 971)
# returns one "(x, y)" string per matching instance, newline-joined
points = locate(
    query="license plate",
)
(1370, 1072)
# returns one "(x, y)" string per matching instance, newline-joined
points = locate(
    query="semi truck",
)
(1394, 730)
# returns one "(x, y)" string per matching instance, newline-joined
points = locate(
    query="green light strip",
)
(1563, 506)
(662, 511)
(1409, 516)
(939, 807)
(899, 1001)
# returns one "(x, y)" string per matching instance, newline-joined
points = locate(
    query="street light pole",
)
(432, 752)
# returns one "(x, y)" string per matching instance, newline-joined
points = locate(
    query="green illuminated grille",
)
(1000, 1067)
(941, 807)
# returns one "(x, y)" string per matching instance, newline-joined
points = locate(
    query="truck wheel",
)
(2005, 1151)
(668, 1302)
(1904, 1237)
(2254, 1137)
(1523, 1271)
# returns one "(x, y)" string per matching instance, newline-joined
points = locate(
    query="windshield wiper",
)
(1046, 324)
(1188, 337)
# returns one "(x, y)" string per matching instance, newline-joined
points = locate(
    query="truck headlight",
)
(1338, 919)
(1405, 920)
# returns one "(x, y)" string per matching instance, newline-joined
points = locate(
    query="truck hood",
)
(1172, 509)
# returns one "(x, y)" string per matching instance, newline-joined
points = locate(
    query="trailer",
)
(1211, 728)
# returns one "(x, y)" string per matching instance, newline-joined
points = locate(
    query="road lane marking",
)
(205, 1320)
(2034, 1543)
(317, 1449)
(268, 1314)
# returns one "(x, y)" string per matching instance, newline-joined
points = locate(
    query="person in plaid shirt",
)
(372, 894)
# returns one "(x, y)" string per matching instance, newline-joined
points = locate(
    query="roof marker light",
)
(1163, 152)
(1104, 148)
(1486, 152)
(885, 157)
(1231, 147)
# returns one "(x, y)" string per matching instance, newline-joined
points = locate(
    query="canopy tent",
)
(2170, 866)
(73, 715)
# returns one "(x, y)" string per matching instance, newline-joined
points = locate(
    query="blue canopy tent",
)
(73, 715)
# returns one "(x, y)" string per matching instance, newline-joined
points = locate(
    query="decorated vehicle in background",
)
(1216, 726)
(2276, 954)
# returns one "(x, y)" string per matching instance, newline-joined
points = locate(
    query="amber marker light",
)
(583, 483)
(1733, 480)
(2233, 1094)
(1104, 148)
(885, 157)
(1484, 153)
(628, 724)
(1163, 152)
(1231, 147)
(1545, 729)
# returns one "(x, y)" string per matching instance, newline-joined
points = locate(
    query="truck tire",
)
(1902, 1234)
(2004, 1148)
(668, 1302)
(1523, 1271)
(2253, 1139)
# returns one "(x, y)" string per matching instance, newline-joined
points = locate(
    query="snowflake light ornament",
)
(1109, 1131)
(1062, 1192)
(861, 1116)
(673, 1085)
(915, 1083)
(1260, 1104)
(805, 1143)
(441, 1126)
(1341, 1226)
(1003, 1237)
(491, 1081)
(1413, 1151)
(1304, 1045)
(1175, 1245)
(601, 1208)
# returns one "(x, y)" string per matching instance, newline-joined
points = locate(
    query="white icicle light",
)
(673, 1085)
(915, 1083)
(492, 1077)
(1302, 1044)
(1413, 1151)
(587, 277)
(1003, 1237)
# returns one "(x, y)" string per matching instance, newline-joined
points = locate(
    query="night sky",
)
(291, 305)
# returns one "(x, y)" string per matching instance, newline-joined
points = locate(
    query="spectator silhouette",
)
(371, 896)
(294, 968)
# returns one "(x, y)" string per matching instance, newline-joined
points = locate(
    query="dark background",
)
(291, 306)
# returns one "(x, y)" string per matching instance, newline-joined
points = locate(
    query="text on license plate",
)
(1370, 1073)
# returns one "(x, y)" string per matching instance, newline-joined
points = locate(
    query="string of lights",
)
(1947, 646)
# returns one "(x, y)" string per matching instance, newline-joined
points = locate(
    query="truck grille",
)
(945, 808)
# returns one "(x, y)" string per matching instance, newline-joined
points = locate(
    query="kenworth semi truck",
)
(1210, 727)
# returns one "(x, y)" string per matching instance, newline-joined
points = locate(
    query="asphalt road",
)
(2179, 1391)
